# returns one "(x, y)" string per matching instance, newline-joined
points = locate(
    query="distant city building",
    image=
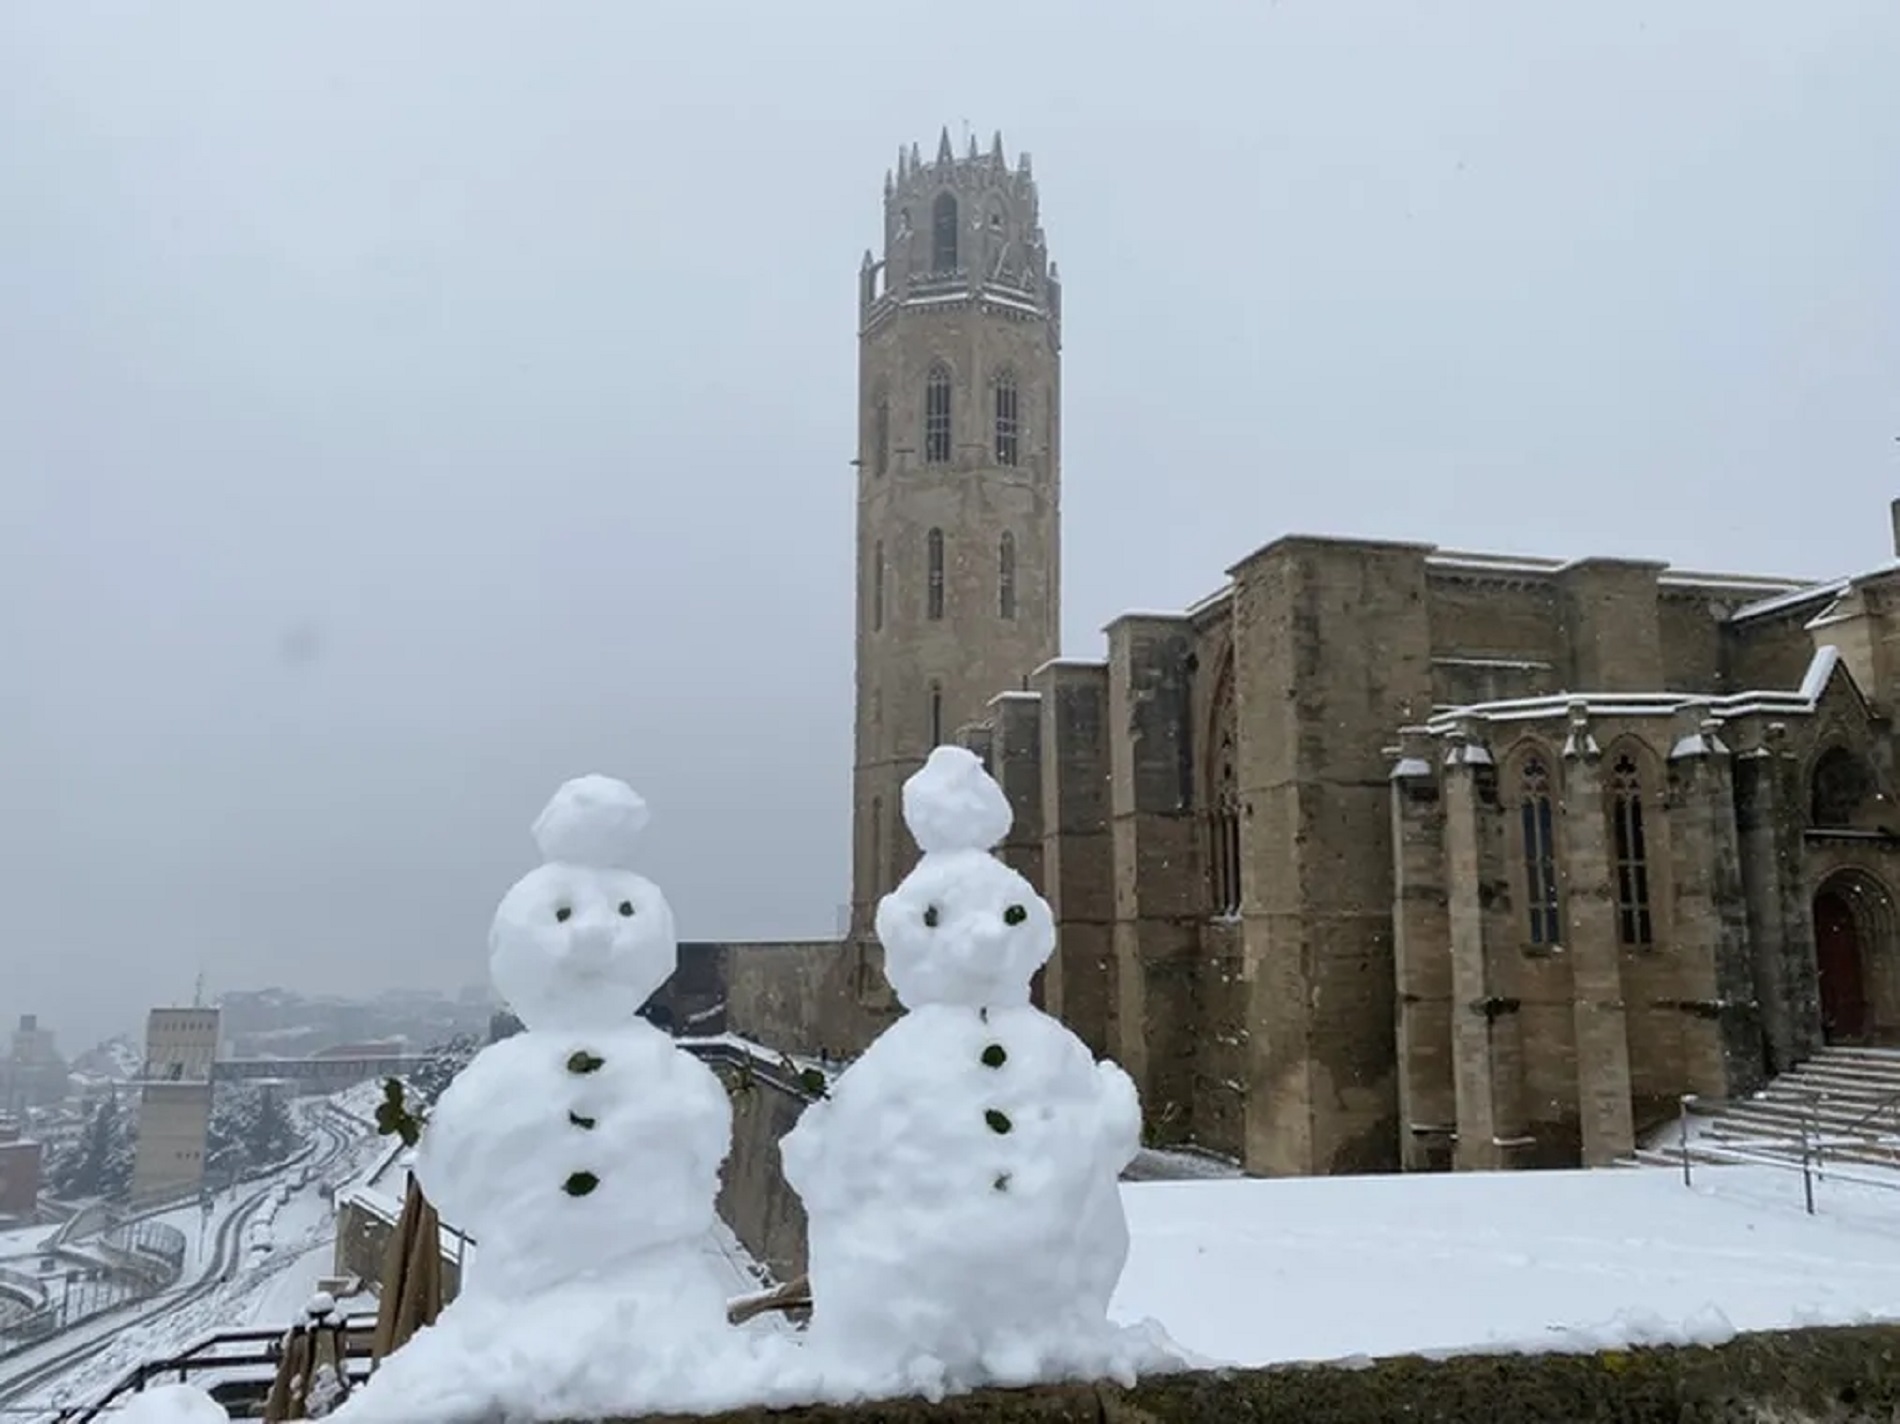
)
(20, 1164)
(180, 1044)
(33, 1074)
(174, 1100)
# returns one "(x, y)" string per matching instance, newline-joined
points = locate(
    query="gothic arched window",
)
(1537, 810)
(881, 435)
(937, 416)
(933, 577)
(877, 586)
(1006, 575)
(936, 714)
(943, 234)
(876, 848)
(1841, 785)
(1633, 925)
(1007, 424)
(1223, 802)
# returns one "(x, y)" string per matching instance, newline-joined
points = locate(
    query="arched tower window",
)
(1006, 575)
(1633, 922)
(881, 435)
(877, 586)
(876, 848)
(1007, 424)
(937, 416)
(933, 585)
(936, 714)
(1538, 813)
(943, 234)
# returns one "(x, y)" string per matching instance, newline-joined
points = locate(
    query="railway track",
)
(227, 1254)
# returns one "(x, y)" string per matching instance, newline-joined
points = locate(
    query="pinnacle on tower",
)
(944, 153)
(1022, 163)
(996, 151)
(903, 163)
(916, 158)
(973, 152)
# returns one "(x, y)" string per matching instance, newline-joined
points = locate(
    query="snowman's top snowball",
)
(592, 821)
(953, 804)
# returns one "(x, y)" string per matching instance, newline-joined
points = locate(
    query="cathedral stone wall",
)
(1373, 996)
(796, 996)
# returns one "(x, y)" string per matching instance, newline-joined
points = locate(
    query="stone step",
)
(1836, 1081)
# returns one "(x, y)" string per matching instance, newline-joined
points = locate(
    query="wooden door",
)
(1837, 958)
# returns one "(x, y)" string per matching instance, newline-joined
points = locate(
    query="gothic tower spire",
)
(959, 391)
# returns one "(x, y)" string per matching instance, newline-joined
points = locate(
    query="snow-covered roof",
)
(1798, 703)
(1223, 594)
(1095, 664)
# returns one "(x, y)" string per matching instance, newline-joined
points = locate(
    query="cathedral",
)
(1382, 856)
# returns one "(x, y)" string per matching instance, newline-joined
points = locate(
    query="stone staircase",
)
(1847, 1099)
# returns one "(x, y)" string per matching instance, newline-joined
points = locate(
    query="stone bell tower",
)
(959, 441)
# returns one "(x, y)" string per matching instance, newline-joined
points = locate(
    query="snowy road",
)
(219, 1275)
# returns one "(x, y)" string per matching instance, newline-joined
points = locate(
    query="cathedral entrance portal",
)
(1837, 955)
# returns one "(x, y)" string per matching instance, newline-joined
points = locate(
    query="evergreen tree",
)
(99, 1164)
(249, 1128)
(273, 1134)
(428, 1079)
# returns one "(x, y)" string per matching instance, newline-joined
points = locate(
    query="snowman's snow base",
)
(966, 1226)
(588, 1350)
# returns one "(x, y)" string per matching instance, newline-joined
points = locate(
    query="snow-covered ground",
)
(282, 1250)
(23, 1240)
(1256, 1272)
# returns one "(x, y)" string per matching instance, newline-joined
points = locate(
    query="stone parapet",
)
(1837, 1375)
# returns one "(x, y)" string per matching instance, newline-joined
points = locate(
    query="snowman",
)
(960, 1181)
(582, 1156)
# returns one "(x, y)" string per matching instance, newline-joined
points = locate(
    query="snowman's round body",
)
(961, 1181)
(961, 1189)
(573, 1155)
(582, 1156)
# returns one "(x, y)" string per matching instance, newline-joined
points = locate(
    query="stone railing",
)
(1806, 1375)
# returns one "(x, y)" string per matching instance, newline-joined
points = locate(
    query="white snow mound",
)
(952, 803)
(170, 1404)
(594, 821)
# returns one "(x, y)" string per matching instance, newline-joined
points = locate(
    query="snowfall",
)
(1251, 1272)
(960, 1181)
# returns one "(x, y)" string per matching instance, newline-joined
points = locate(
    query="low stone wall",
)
(362, 1242)
(797, 997)
(754, 1199)
(1808, 1375)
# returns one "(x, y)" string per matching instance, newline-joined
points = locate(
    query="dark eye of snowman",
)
(930, 916)
(1015, 915)
(562, 914)
(626, 907)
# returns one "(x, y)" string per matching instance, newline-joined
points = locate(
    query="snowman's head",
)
(962, 928)
(582, 942)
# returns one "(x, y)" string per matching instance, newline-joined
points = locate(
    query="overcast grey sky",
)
(404, 407)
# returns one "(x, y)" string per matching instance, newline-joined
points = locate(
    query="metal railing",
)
(1808, 1142)
(227, 1351)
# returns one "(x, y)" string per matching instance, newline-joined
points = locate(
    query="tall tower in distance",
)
(959, 446)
